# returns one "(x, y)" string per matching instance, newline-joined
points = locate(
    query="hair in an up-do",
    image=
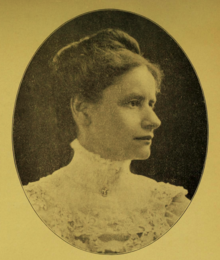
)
(87, 67)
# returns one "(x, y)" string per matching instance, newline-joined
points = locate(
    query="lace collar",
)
(95, 172)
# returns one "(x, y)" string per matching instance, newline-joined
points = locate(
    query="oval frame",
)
(171, 62)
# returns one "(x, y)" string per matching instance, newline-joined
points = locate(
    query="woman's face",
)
(123, 122)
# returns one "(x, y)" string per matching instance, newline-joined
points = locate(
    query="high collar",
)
(92, 170)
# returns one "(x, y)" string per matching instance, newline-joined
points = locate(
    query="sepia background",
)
(24, 26)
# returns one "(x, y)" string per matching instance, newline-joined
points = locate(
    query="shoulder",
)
(159, 190)
(44, 193)
(46, 198)
(39, 193)
(163, 197)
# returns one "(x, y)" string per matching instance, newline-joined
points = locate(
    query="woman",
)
(95, 203)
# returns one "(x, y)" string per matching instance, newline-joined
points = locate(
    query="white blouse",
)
(98, 205)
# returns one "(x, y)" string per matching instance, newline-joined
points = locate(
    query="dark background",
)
(43, 126)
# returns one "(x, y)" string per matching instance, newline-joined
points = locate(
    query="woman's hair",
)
(87, 67)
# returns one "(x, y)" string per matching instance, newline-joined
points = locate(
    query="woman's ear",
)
(79, 110)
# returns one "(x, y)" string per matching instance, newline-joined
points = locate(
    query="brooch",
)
(104, 192)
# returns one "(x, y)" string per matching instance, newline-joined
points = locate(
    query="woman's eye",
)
(152, 105)
(134, 103)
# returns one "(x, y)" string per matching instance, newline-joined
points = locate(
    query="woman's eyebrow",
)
(133, 96)
(139, 97)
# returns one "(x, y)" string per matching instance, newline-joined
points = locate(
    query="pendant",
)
(104, 192)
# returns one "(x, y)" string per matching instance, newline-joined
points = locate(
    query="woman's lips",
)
(145, 139)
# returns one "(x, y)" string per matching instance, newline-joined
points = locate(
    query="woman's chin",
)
(128, 154)
(143, 155)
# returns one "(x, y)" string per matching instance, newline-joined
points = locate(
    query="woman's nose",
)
(151, 121)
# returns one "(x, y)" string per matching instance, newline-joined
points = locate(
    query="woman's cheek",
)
(131, 120)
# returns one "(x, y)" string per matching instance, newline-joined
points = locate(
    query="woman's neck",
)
(95, 171)
(96, 146)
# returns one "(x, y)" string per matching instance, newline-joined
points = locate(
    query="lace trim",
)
(147, 209)
(105, 231)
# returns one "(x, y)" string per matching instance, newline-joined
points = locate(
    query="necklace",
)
(104, 192)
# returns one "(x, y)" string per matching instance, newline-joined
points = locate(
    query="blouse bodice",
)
(100, 206)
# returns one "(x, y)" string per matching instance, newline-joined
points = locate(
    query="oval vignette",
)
(42, 134)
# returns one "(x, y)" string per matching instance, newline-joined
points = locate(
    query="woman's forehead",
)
(138, 81)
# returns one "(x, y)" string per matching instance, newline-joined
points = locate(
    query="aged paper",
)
(24, 27)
